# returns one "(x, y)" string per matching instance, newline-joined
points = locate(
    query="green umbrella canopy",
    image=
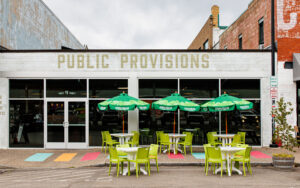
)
(123, 102)
(175, 101)
(226, 103)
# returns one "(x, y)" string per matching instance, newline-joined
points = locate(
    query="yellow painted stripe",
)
(65, 157)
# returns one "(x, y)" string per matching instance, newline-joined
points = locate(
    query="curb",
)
(185, 164)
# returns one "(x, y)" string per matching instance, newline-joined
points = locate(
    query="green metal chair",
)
(212, 140)
(165, 141)
(243, 159)
(236, 140)
(103, 136)
(114, 158)
(135, 140)
(243, 137)
(110, 142)
(205, 152)
(121, 153)
(214, 156)
(142, 157)
(188, 141)
(153, 152)
(158, 133)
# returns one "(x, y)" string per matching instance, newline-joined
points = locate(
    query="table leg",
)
(121, 140)
(223, 142)
(228, 163)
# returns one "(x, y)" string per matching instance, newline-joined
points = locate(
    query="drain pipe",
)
(273, 37)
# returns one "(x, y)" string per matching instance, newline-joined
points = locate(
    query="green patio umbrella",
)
(226, 103)
(123, 102)
(174, 102)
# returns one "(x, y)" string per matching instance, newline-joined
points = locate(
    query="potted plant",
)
(283, 135)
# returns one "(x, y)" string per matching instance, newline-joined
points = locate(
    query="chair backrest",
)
(236, 139)
(158, 133)
(189, 139)
(153, 150)
(142, 153)
(134, 132)
(113, 154)
(103, 135)
(164, 138)
(108, 137)
(243, 137)
(214, 153)
(248, 152)
(210, 138)
(135, 138)
(205, 146)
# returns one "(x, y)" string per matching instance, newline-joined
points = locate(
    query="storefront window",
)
(26, 123)
(151, 121)
(111, 121)
(241, 88)
(26, 88)
(248, 121)
(199, 123)
(66, 88)
(199, 88)
(107, 88)
(157, 88)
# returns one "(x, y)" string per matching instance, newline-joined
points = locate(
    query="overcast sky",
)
(141, 24)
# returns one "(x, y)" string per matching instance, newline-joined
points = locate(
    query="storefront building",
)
(49, 98)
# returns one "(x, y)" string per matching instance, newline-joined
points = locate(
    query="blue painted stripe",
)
(38, 157)
(199, 155)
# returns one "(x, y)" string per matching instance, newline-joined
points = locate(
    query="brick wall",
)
(207, 30)
(247, 25)
(287, 19)
(288, 27)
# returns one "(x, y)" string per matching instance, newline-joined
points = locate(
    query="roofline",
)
(134, 50)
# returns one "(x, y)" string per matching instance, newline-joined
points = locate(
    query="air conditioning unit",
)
(261, 46)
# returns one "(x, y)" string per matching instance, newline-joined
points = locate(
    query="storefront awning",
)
(296, 67)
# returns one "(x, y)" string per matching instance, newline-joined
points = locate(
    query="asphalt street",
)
(168, 176)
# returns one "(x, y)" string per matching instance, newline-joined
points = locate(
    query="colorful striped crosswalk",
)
(65, 157)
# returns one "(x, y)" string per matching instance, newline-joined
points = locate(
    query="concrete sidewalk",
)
(15, 158)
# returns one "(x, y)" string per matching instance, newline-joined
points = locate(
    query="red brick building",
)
(252, 30)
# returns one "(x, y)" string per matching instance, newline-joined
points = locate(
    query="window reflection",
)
(242, 88)
(248, 121)
(26, 88)
(111, 121)
(26, 123)
(154, 88)
(107, 88)
(199, 123)
(66, 88)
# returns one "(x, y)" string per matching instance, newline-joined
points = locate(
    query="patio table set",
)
(173, 103)
(231, 148)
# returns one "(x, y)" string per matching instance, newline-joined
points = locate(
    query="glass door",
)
(65, 124)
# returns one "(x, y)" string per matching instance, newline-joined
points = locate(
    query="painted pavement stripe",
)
(38, 157)
(260, 155)
(65, 157)
(199, 155)
(177, 156)
(90, 156)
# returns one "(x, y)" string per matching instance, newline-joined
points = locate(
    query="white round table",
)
(131, 155)
(228, 152)
(226, 138)
(123, 137)
(174, 138)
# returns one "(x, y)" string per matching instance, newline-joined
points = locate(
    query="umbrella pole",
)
(123, 123)
(174, 123)
(226, 121)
